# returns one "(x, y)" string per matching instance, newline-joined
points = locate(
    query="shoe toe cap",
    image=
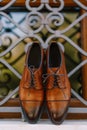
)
(57, 111)
(32, 111)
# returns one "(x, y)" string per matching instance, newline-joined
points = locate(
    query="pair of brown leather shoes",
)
(57, 94)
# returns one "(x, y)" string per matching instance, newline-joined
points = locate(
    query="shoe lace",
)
(32, 81)
(57, 80)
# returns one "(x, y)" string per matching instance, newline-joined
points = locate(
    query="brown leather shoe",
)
(58, 85)
(31, 89)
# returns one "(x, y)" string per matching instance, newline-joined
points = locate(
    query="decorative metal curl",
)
(56, 9)
(34, 20)
(27, 3)
(56, 18)
(8, 40)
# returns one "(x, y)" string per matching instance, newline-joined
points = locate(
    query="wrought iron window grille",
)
(54, 16)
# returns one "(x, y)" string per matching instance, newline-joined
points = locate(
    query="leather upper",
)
(58, 92)
(31, 91)
(62, 89)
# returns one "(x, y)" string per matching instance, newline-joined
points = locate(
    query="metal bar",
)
(18, 109)
(77, 110)
(10, 109)
(9, 96)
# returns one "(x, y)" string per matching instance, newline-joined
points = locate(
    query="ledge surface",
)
(42, 125)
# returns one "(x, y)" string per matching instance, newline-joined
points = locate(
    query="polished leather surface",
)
(32, 96)
(58, 96)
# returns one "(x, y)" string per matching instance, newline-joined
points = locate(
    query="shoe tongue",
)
(32, 68)
(54, 69)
